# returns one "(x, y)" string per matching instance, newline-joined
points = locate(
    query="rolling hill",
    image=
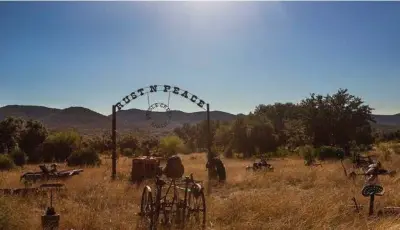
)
(87, 120)
(84, 119)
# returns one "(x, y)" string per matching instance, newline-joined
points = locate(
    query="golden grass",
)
(292, 197)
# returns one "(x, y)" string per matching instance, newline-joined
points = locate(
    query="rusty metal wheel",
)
(147, 210)
(196, 205)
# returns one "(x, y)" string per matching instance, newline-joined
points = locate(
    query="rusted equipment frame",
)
(182, 206)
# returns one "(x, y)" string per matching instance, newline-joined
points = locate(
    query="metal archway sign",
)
(146, 91)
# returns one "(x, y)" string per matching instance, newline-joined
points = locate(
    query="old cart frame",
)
(146, 91)
(174, 210)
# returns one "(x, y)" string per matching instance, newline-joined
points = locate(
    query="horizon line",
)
(76, 106)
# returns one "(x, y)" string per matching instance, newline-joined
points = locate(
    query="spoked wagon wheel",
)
(168, 208)
(147, 207)
(196, 205)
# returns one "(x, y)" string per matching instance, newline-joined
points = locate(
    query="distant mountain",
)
(76, 117)
(26, 111)
(87, 120)
(388, 119)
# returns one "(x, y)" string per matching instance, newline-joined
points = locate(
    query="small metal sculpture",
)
(372, 187)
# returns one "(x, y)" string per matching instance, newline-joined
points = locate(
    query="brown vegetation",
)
(292, 197)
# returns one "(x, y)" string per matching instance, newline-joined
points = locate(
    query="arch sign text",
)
(160, 88)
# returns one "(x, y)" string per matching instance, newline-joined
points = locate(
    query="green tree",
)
(32, 136)
(188, 133)
(223, 137)
(171, 145)
(337, 120)
(18, 156)
(59, 146)
(10, 131)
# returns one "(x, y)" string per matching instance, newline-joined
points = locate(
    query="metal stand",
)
(371, 204)
(51, 220)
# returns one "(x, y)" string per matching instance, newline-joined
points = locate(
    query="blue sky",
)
(234, 55)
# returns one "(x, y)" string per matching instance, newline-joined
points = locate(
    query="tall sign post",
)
(114, 142)
(209, 155)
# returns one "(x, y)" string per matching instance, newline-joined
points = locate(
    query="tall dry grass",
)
(292, 197)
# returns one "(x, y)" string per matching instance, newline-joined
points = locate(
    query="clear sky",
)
(234, 55)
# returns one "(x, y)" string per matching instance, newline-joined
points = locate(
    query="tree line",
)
(29, 141)
(340, 120)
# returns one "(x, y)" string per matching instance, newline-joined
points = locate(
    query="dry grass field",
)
(292, 197)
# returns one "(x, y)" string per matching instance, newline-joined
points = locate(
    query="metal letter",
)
(201, 103)
(133, 95)
(141, 91)
(153, 88)
(119, 106)
(126, 100)
(167, 88)
(185, 94)
(194, 98)
(176, 90)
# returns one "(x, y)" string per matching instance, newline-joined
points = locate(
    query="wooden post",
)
(210, 163)
(114, 143)
(209, 155)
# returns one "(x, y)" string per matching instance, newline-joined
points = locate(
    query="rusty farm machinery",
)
(173, 199)
(47, 174)
(261, 165)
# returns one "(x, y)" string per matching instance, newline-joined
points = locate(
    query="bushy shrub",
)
(171, 145)
(128, 152)
(86, 156)
(329, 152)
(6, 162)
(59, 146)
(128, 141)
(19, 157)
(149, 144)
(282, 152)
(100, 143)
(307, 152)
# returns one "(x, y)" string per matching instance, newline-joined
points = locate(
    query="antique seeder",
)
(165, 201)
